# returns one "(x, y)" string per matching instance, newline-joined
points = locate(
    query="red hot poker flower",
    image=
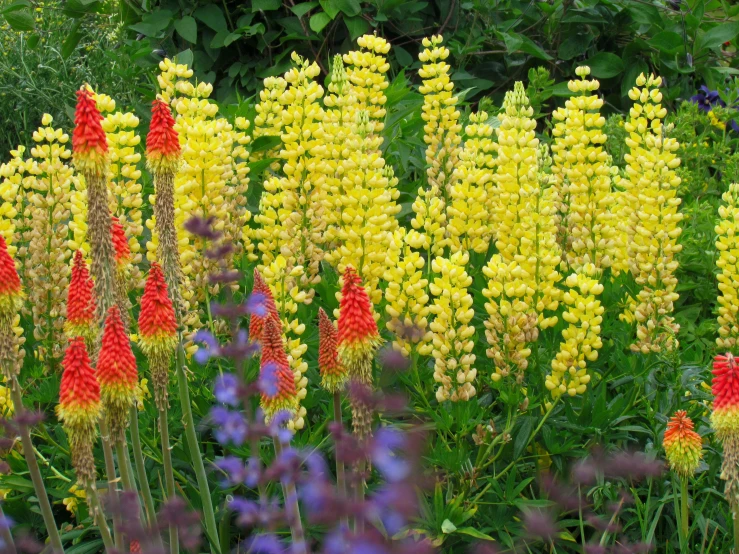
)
(116, 372)
(89, 143)
(79, 408)
(725, 389)
(256, 323)
(683, 446)
(276, 373)
(11, 293)
(333, 373)
(80, 301)
(120, 243)
(162, 142)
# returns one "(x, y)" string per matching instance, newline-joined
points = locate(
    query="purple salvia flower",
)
(226, 389)
(230, 427)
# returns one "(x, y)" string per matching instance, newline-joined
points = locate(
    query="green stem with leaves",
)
(684, 522)
(193, 446)
(33, 469)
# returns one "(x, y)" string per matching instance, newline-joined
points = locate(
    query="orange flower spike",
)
(162, 142)
(157, 331)
(11, 292)
(333, 373)
(358, 335)
(79, 408)
(683, 446)
(725, 389)
(80, 302)
(89, 143)
(120, 243)
(116, 372)
(256, 323)
(276, 373)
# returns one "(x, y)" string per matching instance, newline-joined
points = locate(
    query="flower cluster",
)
(453, 336)
(727, 244)
(80, 320)
(682, 444)
(725, 419)
(651, 204)
(582, 337)
(582, 171)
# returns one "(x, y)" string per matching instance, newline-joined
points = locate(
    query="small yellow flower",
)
(72, 503)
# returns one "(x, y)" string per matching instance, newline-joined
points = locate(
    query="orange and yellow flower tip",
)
(157, 322)
(276, 374)
(116, 372)
(80, 301)
(11, 293)
(725, 389)
(256, 322)
(683, 445)
(162, 142)
(89, 143)
(79, 394)
(358, 335)
(120, 243)
(333, 373)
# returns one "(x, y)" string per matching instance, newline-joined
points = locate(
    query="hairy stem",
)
(33, 469)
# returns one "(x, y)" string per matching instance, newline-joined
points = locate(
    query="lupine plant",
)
(363, 363)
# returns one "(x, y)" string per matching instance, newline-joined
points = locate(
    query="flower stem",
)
(33, 469)
(99, 517)
(292, 508)
(735, 514)
(126, 478)
(111, 475)
(174, 546)
(138, 458)
(192, 444)
(684, 507)
(5, 535)
(340, 473)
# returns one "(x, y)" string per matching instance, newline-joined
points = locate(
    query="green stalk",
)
(676, 504)
(6, 536)
(99, 517)
(138, 457)
(735, 514)
(174, 543)
(340, 473)
(684, 507)
(192, 444)
(112, 478)
(33, 469)
(293, 510)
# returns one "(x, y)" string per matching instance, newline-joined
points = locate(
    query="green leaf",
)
(522, 436)
(265, 5)
(80, 8)
(154, 23)
(331, 7)
(318, 21)
(605, 65)
(448, 527)
(357, 26)
(349, 7)
(515, 42)
(212, 16)
(72, 40)
(573, 46)
(185, 57)
(20, 20)
(717, 36)
(303, 8)
(187, 28)
(33, 41)
(632, 72)
(15, 6)
(667, 42)
(265, 143)
(472, 532)
(402, 55)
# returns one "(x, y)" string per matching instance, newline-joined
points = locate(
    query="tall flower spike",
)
(725, 420)
(162, 142)
(256, 323)
(90, 151)
(157, 331)
(79, 408)
(333, 373)
(123, 268)
(11, 300)
(88, 140)
(358, 342)
(275, 362)
(116, 372)
(683, 445)
(80, 303)
(163, 158)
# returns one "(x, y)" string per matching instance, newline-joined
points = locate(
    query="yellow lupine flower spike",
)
(727, 244)
(453, 336)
